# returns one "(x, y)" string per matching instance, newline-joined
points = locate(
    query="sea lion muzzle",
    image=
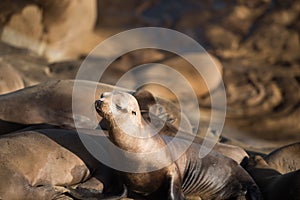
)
(98, 104)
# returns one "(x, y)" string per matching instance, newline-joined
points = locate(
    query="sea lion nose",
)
(98, 104)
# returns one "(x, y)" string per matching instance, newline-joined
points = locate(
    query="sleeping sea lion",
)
(285, 159)
(272, 184)
(35, 167)
(51, 103)
(212, 177)
(49, 163)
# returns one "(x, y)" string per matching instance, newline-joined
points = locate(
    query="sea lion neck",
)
(128, 135)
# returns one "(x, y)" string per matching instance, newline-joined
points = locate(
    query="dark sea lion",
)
(285, 159)
(273, 185)
(212, 177)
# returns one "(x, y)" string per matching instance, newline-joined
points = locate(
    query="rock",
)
(33, 69)
(52, 28)
(25, 29)
(266, 98)
(6, 49)
(275, 43)
(221, 38)
(127, 62)
(10, 79)
(68, 24)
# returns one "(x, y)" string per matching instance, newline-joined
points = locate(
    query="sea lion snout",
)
(102, 105)
(98, 104)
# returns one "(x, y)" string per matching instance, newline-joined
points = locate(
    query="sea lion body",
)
(212, 177)
(285, 159)
(51, 103)
(273, 184)
(34, 166)
(44, 163)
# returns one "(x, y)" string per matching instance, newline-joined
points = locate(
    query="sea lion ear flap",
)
(145, 99)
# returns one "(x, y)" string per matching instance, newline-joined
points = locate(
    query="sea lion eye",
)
(124, 110)
(118, 107)
(133, 112)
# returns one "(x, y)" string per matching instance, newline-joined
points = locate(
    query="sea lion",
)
(51, 103)
(285, 159)
(42, 179)
(212, 177)
(273, 184)
(48, 163)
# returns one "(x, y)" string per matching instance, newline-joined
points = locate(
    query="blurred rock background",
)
(256, 42)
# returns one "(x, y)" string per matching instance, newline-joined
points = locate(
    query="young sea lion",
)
(212, 177)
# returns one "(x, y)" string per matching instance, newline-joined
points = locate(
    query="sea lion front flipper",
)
(118, 197)
(87, 194)
(170, 189)
(174, 184)
(175, 192)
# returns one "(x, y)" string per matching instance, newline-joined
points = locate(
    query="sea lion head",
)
(254, 162)
(120, 108)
